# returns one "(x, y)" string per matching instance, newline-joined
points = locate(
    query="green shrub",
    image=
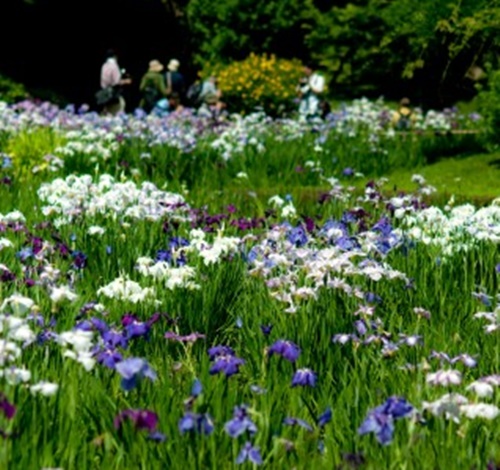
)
(11, 91)
(259, 81)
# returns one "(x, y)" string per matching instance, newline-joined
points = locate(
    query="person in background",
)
(174, 80)
(152, 86)
(169, 105)
(404, 117)
(112, 77)
(210, 97)
(310, 89)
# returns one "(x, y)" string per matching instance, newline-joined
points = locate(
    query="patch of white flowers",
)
(79, 196)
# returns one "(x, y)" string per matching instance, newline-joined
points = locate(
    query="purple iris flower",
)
(163, 255)
(197, 388)
(266, 329)
(79, 259)
(361, 327)
(380, 420)
(200, 423)
(135, 328)
(325, 417)
(178, 242)
(220, 350)
(240, 423)
(9, 410)
(100, 325)
(304, 377)
(142, 420)
(108, 357)
(297, 236)
(249, 453)
(114, 338)
(132, 370)
(298, 422)
(288, 350)
(227, 364)
(497, 268)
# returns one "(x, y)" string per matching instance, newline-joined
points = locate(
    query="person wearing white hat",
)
(174, 79)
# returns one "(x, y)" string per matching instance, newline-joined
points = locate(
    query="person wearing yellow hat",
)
(152, 86)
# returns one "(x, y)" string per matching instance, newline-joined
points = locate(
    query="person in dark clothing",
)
(174, 80)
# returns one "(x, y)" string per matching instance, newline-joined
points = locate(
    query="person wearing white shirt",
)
(311, 86)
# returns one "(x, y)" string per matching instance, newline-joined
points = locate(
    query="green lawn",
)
(475, 177)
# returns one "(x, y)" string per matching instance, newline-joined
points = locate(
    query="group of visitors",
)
(162, 91)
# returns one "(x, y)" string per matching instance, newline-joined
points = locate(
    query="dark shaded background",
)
(60, 45)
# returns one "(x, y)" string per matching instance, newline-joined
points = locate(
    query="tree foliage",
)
(232, 29)
(423, 47)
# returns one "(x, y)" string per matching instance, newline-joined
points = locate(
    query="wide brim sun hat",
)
(155, 66)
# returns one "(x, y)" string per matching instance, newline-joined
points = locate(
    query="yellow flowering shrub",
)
(258, 81)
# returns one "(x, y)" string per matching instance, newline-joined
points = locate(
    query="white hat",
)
(173, 65)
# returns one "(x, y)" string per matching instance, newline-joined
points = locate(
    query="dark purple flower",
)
(79, 259)
(132, 370)
(304, 377)
(227, 364)
(266, 329)
(288, 350)
(201, 423)
(7, 276)
(297, 422)
(249, 453)
(240, 423)
(325, 417)
(9, 410)
(142, 420)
